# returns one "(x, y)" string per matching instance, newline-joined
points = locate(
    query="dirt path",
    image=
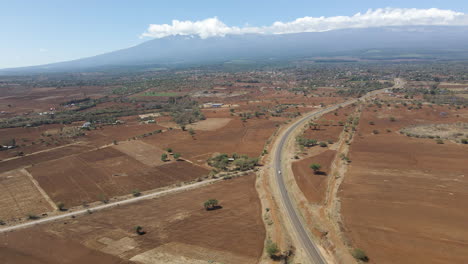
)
(107, 206)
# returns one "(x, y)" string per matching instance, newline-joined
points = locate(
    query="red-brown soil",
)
(328, 125)
(404, 199)
(314, 186)
(105, 173)
(33, 159)
(236, 229)
(247, 138)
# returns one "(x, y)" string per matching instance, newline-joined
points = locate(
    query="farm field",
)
(404, 198)
(19, 197)
(314, 186)
(247, 138)
(105, 173)
(177, 228)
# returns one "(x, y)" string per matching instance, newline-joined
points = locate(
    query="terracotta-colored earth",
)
(329, 127)
(173, 223)
(404, 199)
(247, 138)
(314, 185)
(106, 173)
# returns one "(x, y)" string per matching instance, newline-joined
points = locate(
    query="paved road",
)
(313, 253)
(104, 206)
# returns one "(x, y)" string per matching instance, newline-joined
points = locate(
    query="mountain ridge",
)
(180, 50)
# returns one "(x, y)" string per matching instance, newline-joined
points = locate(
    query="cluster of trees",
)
(241, 162)
(306, 142)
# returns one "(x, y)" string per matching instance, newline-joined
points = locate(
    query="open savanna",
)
(404, 198)
(178, 230)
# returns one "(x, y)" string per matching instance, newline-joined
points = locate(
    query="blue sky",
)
(36, 32)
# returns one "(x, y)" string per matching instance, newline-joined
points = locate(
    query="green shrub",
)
(271, 249)
(359, 254)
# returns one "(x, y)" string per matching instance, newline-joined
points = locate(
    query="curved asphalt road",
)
(313, 253)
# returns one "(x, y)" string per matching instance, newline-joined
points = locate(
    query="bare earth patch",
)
(19, 197)
(210, 124)
(141, 151)
(452, 131)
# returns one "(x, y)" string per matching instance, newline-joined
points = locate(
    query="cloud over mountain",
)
(212, 27)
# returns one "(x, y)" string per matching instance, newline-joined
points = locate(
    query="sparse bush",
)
(464, 141)
(136, 193)
(2, 222)
(210, 204)
(61, 206)
(371, 123)
(359, 254)
(103, 198)
(191, 132)
(164, 157)
(392, 119)
(177, 156)
(33, 217)
(375, 132)
(316, 167)
(245, 163)
(271, 249)
(139, 230)
(439, 141)
(323, 144)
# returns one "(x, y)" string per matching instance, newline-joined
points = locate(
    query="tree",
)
(169, 150)
(210, 204)
(316, 167)
(164, 157)
(271, 249)
(323, 144)
(177, 156)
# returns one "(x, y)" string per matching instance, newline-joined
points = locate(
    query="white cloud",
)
(211, 27)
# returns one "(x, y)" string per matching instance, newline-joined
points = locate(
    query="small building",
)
(217, 105)
(86, 125)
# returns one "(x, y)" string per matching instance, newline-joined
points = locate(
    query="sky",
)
(39, 32)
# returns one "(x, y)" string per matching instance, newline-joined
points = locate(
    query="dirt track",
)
(233, 234)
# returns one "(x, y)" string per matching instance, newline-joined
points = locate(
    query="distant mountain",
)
(443, 42)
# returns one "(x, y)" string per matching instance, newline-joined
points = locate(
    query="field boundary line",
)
(39, 188)
(107, 206)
